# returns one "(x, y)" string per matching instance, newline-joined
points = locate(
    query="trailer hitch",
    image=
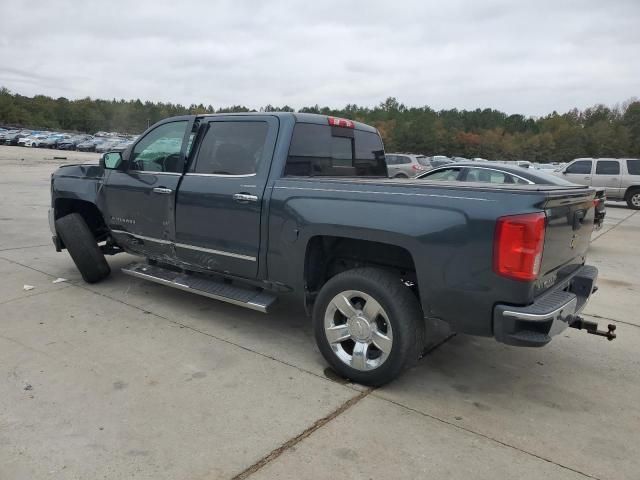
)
(592, 327)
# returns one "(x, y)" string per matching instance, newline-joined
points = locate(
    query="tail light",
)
(518, 245)
(417, 168)
(341, 122)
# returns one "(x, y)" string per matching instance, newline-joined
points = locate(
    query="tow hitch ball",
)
(592, 327)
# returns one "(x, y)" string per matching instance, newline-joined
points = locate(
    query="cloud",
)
(520, 57)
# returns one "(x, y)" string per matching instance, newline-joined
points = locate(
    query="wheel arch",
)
(89, 212)
(329, 255)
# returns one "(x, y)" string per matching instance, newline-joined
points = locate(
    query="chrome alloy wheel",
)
(358, 330)
(635, 200)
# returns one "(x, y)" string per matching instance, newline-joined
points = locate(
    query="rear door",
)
(221, 196)
(608, 176)
(579, 172)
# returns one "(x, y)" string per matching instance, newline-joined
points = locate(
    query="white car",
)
(33, 140)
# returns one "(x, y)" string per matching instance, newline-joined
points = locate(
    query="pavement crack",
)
(614, 227)
(277, 452)
(600, 317)
(22, 248)
(182, 325)
(487, 437)
(35, 294)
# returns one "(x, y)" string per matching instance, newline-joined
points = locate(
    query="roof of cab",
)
(297, 117)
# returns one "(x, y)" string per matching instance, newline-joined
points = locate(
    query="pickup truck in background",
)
(620, 177)
(243, 207)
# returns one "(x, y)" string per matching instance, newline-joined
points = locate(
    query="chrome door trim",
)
(151, 172)
(142, 237)
(219, 175)
(216, 252)
(186, 246)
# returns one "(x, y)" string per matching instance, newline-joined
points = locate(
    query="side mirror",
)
(111, 160)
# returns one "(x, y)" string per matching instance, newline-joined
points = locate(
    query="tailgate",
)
(568, 234)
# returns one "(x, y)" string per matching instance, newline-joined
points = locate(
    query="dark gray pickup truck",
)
(242, 207)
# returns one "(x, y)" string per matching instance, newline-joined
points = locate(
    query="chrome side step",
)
(254, 299)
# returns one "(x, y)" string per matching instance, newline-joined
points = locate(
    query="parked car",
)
(34, 140)
(71, 142)
(52, 140)
(121, 146)
(107, 145)
(405, 165)
(317, 217)
(14, 138)
(459, 159)
(7, 133)
(500, 173)
(620, 177)
(438, 161)
(90, 144)
(545, 166)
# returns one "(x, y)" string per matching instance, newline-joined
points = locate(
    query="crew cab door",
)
(139, 198)
(220, 199)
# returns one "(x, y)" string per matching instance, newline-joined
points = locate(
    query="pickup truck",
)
(245, 207)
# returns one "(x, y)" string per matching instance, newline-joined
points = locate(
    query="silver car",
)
(620, 177)
(405, 165)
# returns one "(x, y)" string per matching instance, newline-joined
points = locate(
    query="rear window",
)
(634, 167)
(322, 150)
(607, 167)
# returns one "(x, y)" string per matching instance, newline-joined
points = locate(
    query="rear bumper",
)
(552, 312)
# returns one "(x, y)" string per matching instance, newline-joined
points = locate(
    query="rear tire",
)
(633, 199)
(376, 333)
(82, 247)
(401, 175)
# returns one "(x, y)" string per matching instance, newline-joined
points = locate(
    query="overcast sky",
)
(520, 57)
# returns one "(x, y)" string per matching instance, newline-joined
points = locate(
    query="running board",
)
(247, 297)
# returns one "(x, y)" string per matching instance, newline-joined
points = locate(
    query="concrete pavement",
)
(130, 379)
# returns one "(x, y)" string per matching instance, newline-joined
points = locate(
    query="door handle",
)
(587, 178)
(162, 190)
(244, 197)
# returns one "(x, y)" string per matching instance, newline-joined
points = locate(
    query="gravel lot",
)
(130, 379)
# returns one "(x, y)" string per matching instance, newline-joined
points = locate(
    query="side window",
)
(581, 167)
(159, 150)
(321, 150)
(405, 160)
(391, 159)
(232, 148)
(633, 166)
(446, 175)
(487, 176)
(607, 167)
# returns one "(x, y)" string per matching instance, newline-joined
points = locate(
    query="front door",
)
(608, 176)
(579, 172)
(221, 196)
(139, 199)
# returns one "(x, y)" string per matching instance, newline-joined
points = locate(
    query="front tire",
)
(82, 247)
(368, 325)
(633, 199)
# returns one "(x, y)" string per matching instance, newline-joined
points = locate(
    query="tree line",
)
(598, 131)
